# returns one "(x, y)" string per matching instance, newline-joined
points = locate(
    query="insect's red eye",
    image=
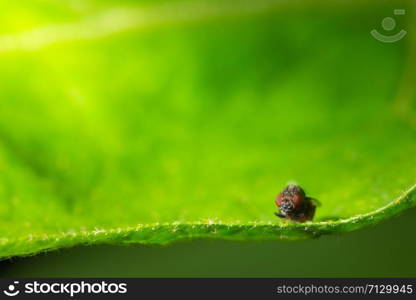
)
(279, 200)
(297, 200)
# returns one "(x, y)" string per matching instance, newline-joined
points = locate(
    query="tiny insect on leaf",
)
(294, 205)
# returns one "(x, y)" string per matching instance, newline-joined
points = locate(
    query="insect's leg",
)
(311, 211)
(280, 215)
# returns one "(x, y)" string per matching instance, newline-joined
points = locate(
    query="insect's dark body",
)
(294, 205)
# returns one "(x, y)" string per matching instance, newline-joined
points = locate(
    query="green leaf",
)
(126, 122)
